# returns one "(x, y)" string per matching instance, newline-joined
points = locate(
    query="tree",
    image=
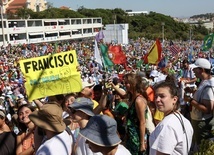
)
(24, 13)
(141, 25)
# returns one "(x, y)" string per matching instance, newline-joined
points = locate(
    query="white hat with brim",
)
(87, 84)
(201, 63)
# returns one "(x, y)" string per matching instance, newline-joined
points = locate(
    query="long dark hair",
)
(22, 127)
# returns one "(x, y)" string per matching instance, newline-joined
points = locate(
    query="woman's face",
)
(127, 84)
(24, 112)
(69, 101)
(164, 100)
(93, 147)
(76, 115)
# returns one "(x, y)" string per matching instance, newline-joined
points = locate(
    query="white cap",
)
(87, 84)
(9, 92)
(202, 63)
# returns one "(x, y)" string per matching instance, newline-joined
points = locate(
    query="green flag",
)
(139, 63)
(106, 60)
(208, 41)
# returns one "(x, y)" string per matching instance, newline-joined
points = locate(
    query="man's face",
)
(87, 92)
(93, 147)
(97, 95)
(185, 65)
(197, 71)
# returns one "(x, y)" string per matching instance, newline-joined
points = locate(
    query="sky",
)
(173, 8)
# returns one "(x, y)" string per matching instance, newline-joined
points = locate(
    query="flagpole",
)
(190, 34)
(102, 61)
(163, 24)
(2, 23)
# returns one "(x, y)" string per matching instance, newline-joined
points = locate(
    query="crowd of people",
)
(136, 109)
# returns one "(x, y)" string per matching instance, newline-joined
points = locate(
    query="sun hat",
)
(101, 130)
(87, 84)
(49, 117)
(83, 104)
(202, 63)
(2, 114)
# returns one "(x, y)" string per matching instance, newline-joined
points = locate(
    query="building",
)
(116, 33)
(133, 13)
(35, 5)
(27, 31)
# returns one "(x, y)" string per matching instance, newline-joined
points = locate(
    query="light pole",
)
(163, 31)
(190, 34)
(2, 23)
(114, 17)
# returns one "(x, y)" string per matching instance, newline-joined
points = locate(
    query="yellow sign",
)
(51, 75)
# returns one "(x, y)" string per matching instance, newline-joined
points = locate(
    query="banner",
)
(51, 75)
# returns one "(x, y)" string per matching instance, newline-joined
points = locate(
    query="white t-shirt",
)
(169, 137)
(82, 148)
(59, 144)
(204, 91)
(121, 150)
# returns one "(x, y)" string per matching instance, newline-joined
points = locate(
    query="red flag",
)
(154, 54)
(174, 50)
(116, 54)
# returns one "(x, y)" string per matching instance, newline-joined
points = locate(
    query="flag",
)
(162, 63)
(208, 41)
(174, 50)
(116, 54)
(139, 63)
(97, 54)
(56, 48)
(106, 60)
(154, 54)
(99, 36)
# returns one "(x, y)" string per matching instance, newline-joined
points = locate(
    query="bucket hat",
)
(83, 104)
(49, 117)
(102, 131)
